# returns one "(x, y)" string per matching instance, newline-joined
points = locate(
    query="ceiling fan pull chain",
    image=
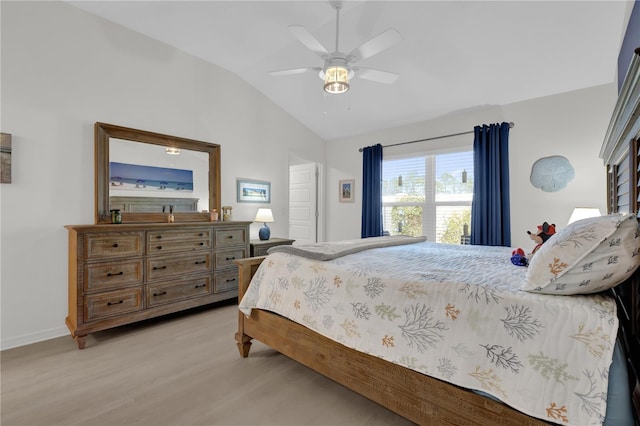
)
(337, 25)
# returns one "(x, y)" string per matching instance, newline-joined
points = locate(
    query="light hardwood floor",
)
(180, 370)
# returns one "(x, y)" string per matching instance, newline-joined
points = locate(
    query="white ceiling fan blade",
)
(375, 45)
(308, 40)
(376, 75)
(293, 71)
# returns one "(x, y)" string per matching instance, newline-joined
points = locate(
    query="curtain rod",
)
(511, 125)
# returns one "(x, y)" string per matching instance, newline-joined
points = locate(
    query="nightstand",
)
(260, 247)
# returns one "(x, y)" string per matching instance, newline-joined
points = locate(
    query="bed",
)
(452, 312)
(432, 393)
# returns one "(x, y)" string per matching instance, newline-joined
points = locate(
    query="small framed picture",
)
(5, 158)
(346, 190)
(253, 191)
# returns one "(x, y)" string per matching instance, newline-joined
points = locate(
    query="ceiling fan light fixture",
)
(338, 67)
(336, 80)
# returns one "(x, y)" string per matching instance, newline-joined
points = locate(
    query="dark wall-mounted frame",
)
(5, 157)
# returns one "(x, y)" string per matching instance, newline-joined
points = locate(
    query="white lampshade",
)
(583, 213)
(264, 215)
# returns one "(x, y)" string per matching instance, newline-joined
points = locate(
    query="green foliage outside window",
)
(449, 184)
(407, 220)
(411, 189)
(455, 227)
(406, 185)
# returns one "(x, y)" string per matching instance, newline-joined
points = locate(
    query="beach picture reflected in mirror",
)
(146, 178)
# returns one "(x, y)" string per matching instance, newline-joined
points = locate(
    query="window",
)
(428, 195)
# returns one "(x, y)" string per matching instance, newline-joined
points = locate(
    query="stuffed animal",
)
(518, 258)
(545, 231)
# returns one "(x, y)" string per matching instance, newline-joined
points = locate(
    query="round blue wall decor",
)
(552, 174)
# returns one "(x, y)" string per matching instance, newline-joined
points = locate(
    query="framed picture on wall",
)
(5, 158)
(253, 191)
(346, 190)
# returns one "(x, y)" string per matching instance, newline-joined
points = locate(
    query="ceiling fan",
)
(339, 67)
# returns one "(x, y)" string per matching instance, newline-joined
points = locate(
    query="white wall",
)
(571, 124)
(63, 70)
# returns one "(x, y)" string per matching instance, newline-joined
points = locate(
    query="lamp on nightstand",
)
(264, 216)
(584, 213)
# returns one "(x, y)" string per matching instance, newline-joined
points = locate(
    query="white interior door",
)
(303, 203)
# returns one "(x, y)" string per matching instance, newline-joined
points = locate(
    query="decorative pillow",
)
(588, 256)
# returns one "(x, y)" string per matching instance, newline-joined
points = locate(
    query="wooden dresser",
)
(119, 274)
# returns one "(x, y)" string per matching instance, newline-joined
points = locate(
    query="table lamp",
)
(583, 213)
(264, 216)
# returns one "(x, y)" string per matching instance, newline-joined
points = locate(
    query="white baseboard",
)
(27, 339)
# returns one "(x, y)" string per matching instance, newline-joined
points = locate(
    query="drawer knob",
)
(115, 245)
(200, 285)
(159, 247)
(230, 280)
(160, 267)
(110, 274)
(159, 237)
(115, 303)
(230, 258)
(162, 293)
(201, 234)
(200, 262)
(229, 236)
(201, 244)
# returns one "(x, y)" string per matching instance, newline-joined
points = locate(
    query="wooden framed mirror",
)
(156, 173)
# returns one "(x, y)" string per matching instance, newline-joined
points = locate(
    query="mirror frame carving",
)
(104, 131)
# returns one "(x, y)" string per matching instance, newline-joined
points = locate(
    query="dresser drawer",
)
(162, 293)
(103, 305)
(115, 244)
(168, 241)
(225, 281)
(229, 237)
(105, 275)
(225, 258)
(166, 266)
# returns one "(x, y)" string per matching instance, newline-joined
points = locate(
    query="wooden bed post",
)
(246, 268)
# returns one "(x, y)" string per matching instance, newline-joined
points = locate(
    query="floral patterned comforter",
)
(456, 313)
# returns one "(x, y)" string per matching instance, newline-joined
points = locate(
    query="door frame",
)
(320, 226)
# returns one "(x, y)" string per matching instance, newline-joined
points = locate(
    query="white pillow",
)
(588, 256)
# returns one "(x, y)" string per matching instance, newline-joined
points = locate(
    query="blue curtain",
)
(372, 191)
(490, 213)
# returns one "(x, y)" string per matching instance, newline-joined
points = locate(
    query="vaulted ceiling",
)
(453, 55)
